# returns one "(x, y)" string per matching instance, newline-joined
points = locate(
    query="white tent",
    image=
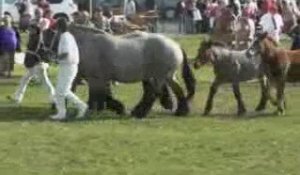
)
(1, 7)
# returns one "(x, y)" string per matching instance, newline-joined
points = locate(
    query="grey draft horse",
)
(140, 57)
(232, 66)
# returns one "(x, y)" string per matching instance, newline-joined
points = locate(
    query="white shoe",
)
(58, 117)
(82, 111)
(14, 100)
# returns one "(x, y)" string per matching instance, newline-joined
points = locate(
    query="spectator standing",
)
(40, 21)
(44, 5)
(272, 23)
(250, 9)
(268, 5)
(9, 44)
(48, 15)
(211, 12)
(100, 21)
(130, 9)
(26, 13)
(235, 5)
(201, 6)
(180, 14)
(295, 34)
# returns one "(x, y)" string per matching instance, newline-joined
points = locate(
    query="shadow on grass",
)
(14, 113)
(247, 116)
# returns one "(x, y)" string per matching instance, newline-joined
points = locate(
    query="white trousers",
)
(211, 23)
(66, 76)
(39, 70)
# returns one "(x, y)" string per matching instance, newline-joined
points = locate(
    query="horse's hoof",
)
(121, 111)
(279, 113)
(167, 105)
(138, 114)
(241, 112)
(181, 113)
(53, 107)
(182, 109)
(260, 108)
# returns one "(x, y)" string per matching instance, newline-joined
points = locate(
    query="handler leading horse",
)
(36, 66)
(151, 58)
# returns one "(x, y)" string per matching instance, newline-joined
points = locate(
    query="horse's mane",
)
(87, 29)
(272, 41)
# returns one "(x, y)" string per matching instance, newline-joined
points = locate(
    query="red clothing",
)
(52, 24)
(269, 6)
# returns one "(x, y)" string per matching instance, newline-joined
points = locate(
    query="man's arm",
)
(62, 56)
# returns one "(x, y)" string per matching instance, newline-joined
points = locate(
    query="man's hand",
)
(62, 56)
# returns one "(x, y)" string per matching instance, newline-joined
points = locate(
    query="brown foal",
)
(278, 63)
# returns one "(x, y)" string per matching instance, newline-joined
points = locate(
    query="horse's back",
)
(233, 65)
(146, 55)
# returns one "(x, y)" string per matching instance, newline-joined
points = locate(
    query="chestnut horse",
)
(281, 65)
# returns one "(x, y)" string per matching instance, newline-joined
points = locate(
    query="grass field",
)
(161, 144)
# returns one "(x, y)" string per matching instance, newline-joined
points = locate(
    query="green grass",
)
(161, 144)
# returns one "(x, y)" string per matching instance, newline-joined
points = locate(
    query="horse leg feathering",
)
(147, 101)
(188, 77)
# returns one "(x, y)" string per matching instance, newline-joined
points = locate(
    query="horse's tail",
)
(188, 77)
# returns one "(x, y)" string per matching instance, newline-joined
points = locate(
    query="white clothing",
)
(28, 8)
(67, 44)
(130, 8)
(66, 75)
(68, 68)
(197, 15)
(39, 70)
(44, 24)
(293, 6)
(272, 24)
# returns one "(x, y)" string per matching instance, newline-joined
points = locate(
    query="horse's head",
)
(205, 53)
(42, 44)
(50, 41)
(263, 45)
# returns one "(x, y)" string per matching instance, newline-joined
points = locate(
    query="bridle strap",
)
(34, 54)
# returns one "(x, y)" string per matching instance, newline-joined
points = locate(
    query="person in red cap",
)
(269, 6)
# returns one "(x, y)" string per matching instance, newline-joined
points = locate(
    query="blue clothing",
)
(8, 39)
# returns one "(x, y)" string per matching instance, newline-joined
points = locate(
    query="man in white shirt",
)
(68, 59)
(272, 23)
